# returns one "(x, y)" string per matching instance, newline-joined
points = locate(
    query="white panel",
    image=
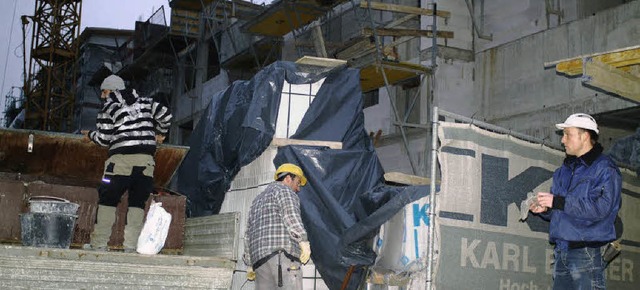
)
(283, 116)
(299, 106)
(301, 89)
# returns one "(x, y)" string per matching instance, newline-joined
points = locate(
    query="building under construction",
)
(509, 67)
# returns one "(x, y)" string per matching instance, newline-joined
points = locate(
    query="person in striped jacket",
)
(131, 126)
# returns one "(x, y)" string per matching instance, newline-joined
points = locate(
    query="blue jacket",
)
(586, 199)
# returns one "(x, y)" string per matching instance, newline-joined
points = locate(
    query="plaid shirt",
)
(274, 224)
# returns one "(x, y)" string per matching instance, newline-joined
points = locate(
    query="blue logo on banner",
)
(420, 213)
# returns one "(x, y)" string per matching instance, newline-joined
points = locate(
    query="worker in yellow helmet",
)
(276, 243)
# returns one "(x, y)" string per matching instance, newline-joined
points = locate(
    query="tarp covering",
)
(344, 202)
(627, 150)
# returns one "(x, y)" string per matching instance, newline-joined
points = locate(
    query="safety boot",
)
(135, 217)
(102, 229)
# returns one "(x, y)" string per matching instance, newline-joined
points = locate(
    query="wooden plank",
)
(371, 75)
(404, 9)
(402, 178)
(367, 45)
(356, 49)
(321, 61)
(318, 41)
(286, 142)
(618, 59)
(550, 64)
(613, 80)
(400, 20)
(407, 32)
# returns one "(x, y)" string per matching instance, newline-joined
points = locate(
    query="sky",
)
(120, 14)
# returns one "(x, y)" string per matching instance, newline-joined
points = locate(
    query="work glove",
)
(305, 252)
(251, 275)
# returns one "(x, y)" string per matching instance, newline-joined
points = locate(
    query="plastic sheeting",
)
(627, 150)
(344, 202)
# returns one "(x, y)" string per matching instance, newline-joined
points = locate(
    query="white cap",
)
(112, 82)
(580, 120)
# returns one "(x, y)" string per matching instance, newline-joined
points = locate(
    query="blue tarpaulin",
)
(345, 200)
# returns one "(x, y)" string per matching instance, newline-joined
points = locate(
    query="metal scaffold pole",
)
(432, 198)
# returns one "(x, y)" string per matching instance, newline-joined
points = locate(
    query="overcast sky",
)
(120, 14)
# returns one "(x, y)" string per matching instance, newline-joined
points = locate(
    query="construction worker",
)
(582, 206)
(131, 126)
(276, 242)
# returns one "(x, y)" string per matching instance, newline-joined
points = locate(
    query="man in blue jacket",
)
(582, 206)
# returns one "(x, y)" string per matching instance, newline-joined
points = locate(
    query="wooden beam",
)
(285, 142)
(618, 59)
(404, 9)
(551, 64)
(320, 61)
(402, 178)
(318, 41)
(611, 79)
(407, 32)
(356, 49)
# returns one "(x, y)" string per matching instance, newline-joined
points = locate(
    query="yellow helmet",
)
(293, 169)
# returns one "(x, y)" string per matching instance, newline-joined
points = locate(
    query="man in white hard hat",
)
(582, 206)
(275, 240)
(131, 126)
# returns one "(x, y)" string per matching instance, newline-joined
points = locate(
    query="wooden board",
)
(618, 58)
(285, 142)
(611, 79)
(320, 61)
(371, 76)
(402, 178)
(404, 9)
(284, 16)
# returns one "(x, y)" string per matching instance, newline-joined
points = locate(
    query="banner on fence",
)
(480, 242)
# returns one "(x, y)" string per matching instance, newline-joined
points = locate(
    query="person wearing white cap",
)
(131, 126)
(582, 206)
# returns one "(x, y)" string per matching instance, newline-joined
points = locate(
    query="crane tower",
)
(50, 85)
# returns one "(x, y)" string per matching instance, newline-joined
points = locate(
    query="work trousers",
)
(578, 269)
(122, 173)
(267, 274)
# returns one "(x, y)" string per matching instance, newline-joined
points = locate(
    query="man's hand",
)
(251, 275)
(160, 138)
(305, 252)
(86, 136)
(545, 199)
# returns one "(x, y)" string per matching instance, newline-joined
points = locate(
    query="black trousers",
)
(137, 184)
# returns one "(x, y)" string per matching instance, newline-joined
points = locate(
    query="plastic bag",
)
(155, 230)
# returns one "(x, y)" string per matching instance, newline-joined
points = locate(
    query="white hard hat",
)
(580, 120)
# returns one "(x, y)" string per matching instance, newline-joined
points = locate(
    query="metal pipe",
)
(497, 129)
(475, 25)
(386, 85)
(432, 197)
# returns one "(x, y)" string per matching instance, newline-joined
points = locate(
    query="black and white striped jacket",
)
(128, 123)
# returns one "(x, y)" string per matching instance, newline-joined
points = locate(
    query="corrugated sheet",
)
(34, 268)
(212, 236)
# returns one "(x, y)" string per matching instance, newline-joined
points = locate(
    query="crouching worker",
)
(276, 242)
(131, 126)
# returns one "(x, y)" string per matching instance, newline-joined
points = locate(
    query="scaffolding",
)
(50, 85)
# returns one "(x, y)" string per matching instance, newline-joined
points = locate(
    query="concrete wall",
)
(515, 90)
